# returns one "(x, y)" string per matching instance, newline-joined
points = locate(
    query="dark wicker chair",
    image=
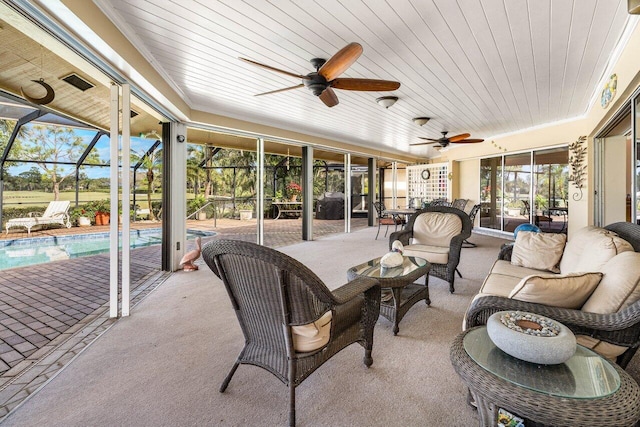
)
(443, 271)
(385, 219)
(621, 328)
(472, 216)
(272, 292)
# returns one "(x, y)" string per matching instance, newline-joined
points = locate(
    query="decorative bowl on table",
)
(531, 337)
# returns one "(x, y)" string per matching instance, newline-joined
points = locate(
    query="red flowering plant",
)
(294, 189)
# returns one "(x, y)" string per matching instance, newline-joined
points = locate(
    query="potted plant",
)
(294, 190)
(197, 203)
(101, 209)
(246, 211)
(80, 216)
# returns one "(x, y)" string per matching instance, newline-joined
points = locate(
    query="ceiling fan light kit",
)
(387, 101)
(322, 81)
(421, 121)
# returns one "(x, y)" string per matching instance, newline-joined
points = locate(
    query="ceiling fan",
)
(325, 78)
(444, 141)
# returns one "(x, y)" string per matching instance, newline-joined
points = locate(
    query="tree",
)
(31, 178)
(49, 146)
(149, 161)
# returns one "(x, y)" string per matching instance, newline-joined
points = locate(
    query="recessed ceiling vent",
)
(78, 82)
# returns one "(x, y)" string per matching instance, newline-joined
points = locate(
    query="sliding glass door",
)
(529, 187)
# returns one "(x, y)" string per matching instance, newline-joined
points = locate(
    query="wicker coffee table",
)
(400, 280)
(586, 390)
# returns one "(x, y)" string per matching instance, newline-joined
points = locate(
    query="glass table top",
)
(374, 269)
(585, 376)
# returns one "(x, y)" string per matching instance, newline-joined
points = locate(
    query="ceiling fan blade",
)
(280, 90)
(365, 84)
(329, 97)
(469, 141)
(459, 137)
(268, 67)
(425, 143)
(429, 139)
(339, 62)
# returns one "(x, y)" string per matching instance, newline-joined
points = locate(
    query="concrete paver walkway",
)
(50, 312)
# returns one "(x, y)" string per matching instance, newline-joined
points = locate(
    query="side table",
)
(586, 390)
(401, 282)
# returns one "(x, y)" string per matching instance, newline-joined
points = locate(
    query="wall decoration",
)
(577, 157)
(45, 99)
(609, 91)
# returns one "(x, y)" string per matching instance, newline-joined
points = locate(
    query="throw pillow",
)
(590, 248)
(565, 291)
(541, 251)
(620, 285)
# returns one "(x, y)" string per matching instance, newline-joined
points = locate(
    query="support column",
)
(113, 229)
(347, 193)
(260, 191)
(126, 192)
(371, 172)
(307, 193)
(177, 208)
(394, 185)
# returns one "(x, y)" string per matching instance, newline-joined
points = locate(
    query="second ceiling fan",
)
(462, 138)
(325, 78)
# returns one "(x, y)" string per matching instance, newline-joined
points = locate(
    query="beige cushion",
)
(610, 351)
(620, 285)
(541, 251)
(618, 289)
(565, 291)
(436, 228)
(314, 335)
(433, 254)
(508, 269)
(590, 248)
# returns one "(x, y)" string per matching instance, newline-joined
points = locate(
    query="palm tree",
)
(149, 161)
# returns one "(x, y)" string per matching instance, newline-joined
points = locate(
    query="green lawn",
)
(14, 199)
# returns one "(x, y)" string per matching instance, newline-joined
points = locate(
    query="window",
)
(528, 187)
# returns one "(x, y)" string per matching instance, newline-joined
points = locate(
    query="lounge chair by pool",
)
(56, 213)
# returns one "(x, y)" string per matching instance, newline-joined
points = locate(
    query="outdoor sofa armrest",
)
(621, 328)
(403, 235)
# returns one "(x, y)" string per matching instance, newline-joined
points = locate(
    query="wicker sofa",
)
(608, 321)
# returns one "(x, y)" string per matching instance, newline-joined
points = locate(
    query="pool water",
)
(38, 250)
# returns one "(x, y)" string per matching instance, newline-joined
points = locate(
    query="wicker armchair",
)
(445, 271)
(621, 328)
(272, 294)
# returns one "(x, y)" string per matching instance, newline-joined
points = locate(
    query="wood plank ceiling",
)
(486, 67)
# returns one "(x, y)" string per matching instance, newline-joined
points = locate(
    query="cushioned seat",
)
(436, 233)
(596, 292)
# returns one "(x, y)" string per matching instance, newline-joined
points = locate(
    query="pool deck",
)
(50, 312)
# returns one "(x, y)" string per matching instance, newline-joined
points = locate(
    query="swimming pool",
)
(38, 250)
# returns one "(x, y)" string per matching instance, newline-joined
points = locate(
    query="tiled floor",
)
(50, 312)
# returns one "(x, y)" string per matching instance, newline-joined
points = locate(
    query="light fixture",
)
(634, 7)
(387, 101)
(421, 120)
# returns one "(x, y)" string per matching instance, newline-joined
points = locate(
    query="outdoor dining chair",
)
(385, 219)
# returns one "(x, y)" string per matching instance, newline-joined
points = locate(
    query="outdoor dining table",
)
(402, 213)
